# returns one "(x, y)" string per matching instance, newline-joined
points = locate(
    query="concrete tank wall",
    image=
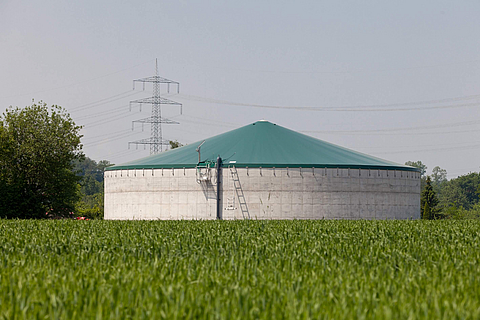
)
(263, 193)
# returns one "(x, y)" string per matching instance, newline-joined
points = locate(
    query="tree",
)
(439, 175)
(462, 192)
(84, 165)
(427, 213)
(90, 189)
(102, 164)
(419, 165)
(439, 180)
(37, 147)
(87, 167)
(423, 170)
(174, 144)
(429, 200)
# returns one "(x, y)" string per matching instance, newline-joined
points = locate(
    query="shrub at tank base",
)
(90, 189)
(90, 206)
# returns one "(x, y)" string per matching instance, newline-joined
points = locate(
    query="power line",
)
(114, 138)
(458, 173)
(111, 137)
(119, 153)
(109, 134)
(475, 146)
(105, 112)
(395, 134)
(104, 101)
(212, 123)
(101, 113)
(103, 121)
(408, 147)
(371, 108)
(77, 83)
(436, 126)
(125, 154)
(334, 72)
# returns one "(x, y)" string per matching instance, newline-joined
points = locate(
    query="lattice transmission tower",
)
(156, 120)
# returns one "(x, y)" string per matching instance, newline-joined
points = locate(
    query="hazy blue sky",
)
(396, 79)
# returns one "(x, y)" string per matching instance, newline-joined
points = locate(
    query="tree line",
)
(457, 198)
(90, 203)
(44, 174)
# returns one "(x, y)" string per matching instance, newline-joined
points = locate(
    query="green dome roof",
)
(264, 144)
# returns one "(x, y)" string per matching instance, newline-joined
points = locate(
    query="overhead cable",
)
(76, 83)
(372, 108)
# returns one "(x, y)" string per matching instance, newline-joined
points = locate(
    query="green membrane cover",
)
(267, 145)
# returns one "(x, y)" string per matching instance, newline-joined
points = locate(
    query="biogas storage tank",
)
(262, 171)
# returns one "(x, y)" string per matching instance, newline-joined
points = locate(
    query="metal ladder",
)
(237, 188)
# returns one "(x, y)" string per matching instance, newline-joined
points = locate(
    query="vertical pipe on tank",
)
(219, 166)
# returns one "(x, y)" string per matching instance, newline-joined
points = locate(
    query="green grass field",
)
(239, 269)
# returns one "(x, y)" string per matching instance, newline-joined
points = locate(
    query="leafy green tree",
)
(453, 212)
(439, 180)
(429, 200)
(37, 147)
(419, 165)
(461, 192)
(90, 188)
(423, 170)
(102, 164)
(174, 144)
(439, 175)
(87, 167)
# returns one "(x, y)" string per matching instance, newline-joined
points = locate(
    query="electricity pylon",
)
(156, 120)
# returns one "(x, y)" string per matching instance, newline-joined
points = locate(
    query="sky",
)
(397, 80)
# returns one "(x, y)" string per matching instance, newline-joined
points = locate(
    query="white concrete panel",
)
(268, 193)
